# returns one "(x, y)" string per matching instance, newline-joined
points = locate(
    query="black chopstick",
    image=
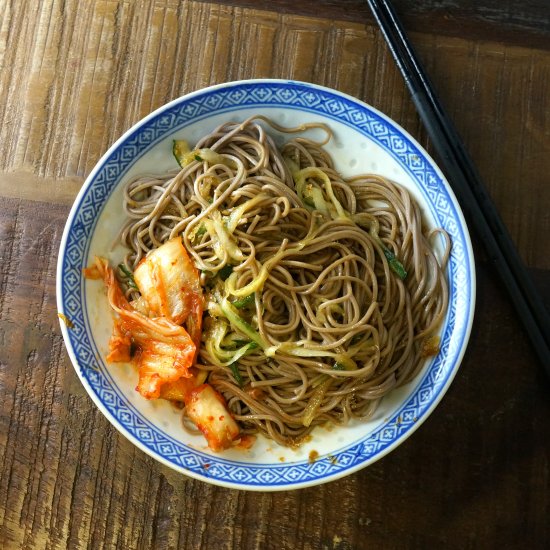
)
(466, 183)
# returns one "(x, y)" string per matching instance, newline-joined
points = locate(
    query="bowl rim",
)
(101, 163)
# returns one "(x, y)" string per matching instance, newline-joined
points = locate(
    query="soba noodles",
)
(322, 293)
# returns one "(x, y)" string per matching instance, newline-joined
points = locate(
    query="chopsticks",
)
(466, 183)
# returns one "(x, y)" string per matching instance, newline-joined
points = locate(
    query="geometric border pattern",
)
(233, 96)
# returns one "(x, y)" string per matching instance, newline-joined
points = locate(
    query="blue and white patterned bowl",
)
(365, 140)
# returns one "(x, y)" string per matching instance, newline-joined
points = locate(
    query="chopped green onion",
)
(225, 271)
(222, 350)
(338, 366)
(236, 374)
(395, 265)
(180, 149)
(299, 350)
(184, 155)
(241, 325)
(246, 301)
(233, 341)
(128, 275)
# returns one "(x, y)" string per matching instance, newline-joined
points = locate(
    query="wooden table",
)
(74, 76)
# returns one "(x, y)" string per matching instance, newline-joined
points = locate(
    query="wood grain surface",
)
(75, 76)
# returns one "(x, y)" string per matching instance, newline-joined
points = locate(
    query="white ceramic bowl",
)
(365, 141)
